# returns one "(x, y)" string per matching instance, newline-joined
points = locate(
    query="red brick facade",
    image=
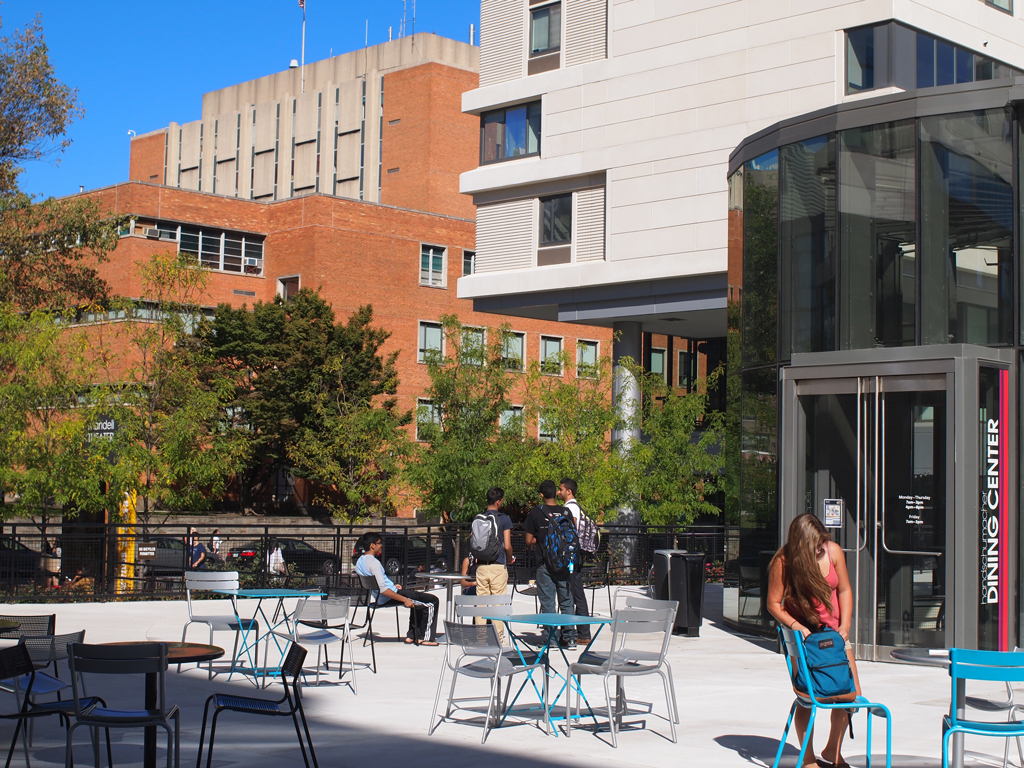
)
(147, 158)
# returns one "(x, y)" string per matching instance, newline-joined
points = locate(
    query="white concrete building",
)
(607, 125)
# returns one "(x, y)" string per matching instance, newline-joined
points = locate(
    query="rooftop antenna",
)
(366, 42)
(413, 17)
(401, 27)
(302, 5)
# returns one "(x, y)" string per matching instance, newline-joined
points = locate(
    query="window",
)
(509, 133)
(432, 271)
(428, 418)
(860, 59)
(546, 29)
(556, 220)
(217, 249)
(687, 370)
(468, 262)
(511, 419)
(586, 358)
(551, 355)
(513, 351)
(431, 342)
(1002, 5)
(473, 350)
(287, 286)
(658, 358)
(546, 429)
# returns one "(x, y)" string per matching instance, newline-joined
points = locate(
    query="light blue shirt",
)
(368, 565)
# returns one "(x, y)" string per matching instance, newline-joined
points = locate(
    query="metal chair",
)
(649, 603)
(793, 647)
(35, 624)
(128, 659)
(994, 666)
(16, 663)
(206, 580)
(622, 661)
(289, 705)
(44, 650)
(521, 585)
(369, 583)
(597, 576)
(481, 657)
(324, 618)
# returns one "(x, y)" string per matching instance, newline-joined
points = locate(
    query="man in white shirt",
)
(567, 493)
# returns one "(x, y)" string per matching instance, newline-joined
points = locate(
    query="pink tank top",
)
(830, 620)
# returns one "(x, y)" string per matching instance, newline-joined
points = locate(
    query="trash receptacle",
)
(679, 575)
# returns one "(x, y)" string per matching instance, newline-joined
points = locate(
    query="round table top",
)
(442, 576)
(7, 625)
(929, 657)
(181, 653)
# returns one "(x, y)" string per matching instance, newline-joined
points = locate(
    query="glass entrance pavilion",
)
(875, 342)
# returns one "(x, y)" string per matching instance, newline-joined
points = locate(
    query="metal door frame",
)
(960, 364)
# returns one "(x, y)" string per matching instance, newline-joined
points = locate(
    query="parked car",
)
(299, 556)
(17, 560)
(416, 553)
(171, 556)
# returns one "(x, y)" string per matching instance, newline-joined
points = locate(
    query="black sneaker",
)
(570, 644)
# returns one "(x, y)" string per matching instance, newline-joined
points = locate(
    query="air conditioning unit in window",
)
(152, 232)
(252, 262)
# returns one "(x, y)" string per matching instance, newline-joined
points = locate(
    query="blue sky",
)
(139, 65)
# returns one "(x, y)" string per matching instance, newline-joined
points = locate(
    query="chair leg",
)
(568, 703)
(668, 703)
(434, 722)
(672, 687)
(490, 704)
(611, 715)
(14, 744)
(305, 727)
(213, 735)
(785, 734)
(202, 732)
(807, 736)
(298, 733)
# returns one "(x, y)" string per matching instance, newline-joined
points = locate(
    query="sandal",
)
(409, 641)
(428, 642)
(829, 764)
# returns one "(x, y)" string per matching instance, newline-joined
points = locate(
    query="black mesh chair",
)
(289, 705)
(15, 662)
(369, 584)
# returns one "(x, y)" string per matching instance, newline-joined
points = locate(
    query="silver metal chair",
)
(649, 603)
(321, 622)
(481, 657)
(223, 622)
(128, 659)
(622, 661)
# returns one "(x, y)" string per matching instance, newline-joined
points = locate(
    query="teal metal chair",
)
(793, 648)
(994, 666)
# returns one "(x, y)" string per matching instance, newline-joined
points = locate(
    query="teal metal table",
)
(550, 622)
(247, 624)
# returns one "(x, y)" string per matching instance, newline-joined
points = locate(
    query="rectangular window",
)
(468, 262)
(1002, 5)
(506, 134)
(658, 359)
(687, 370)
(546, 29)
(430, 343)
(428, 418)
(432, 271)
(551, 355)
(556, 220)
(546, 430)
(473, 350)
(513, 351)
(287, 286)
(860, 60)
(511, 419)
(586, 358)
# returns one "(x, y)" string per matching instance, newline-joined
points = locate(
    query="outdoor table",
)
(551, 622)
(9, 626)
(450, 580)
(177, 653)
(260, 595)
(939, 657)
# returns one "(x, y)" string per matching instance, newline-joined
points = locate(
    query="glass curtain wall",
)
(807, 232)
(877, 224)
(967, 228)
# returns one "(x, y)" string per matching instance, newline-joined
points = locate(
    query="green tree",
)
(353, 444)
(466, 449)
(678, 465)
(175, 442)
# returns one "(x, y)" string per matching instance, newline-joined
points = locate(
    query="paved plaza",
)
(733, 696)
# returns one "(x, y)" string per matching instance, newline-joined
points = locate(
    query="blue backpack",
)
(825, 652)
(561, 546)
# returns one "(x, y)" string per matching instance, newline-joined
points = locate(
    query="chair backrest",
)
(118, 659)
(369, 584)
(48, 649)
(15, 662)
(204, 580)
(468, 606)
(479, 639)
(292, 667)
(35, 624)
(323, 610)
(649, 603)
(996, 666)
(629, 624)
(793, 649)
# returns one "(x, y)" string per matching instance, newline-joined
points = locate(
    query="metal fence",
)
(80, 561)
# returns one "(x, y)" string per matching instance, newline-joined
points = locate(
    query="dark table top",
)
(182, 653)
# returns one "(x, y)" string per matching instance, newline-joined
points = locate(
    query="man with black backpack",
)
(550, 527)
(567, 493)
(490, 544)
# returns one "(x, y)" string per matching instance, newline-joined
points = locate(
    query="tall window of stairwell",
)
(545, 38)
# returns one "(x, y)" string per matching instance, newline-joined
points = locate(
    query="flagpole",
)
(303, 47)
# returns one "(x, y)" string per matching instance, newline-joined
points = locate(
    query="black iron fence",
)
(80, 561)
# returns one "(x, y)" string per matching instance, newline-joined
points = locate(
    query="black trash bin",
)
(679, 575)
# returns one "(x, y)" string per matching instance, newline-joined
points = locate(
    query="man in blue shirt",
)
(197, 558)
(422, 606)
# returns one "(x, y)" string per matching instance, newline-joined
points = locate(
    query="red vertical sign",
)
(1004, 512)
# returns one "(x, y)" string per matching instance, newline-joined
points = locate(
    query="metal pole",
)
(303, 47)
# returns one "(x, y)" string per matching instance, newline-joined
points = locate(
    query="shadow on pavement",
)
(760, 751)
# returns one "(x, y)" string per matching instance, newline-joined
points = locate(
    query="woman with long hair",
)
(808, 589)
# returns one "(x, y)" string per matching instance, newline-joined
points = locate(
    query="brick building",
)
(249, 191)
